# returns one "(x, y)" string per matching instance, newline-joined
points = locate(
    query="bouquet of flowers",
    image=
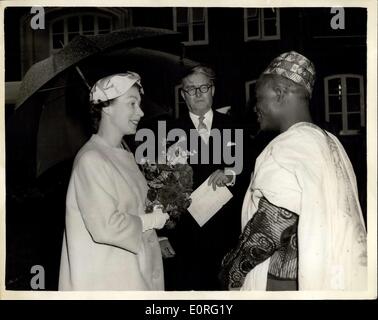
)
(170, 184)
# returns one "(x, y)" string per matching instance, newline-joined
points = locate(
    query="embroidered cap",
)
(113, 86)
(294, 66)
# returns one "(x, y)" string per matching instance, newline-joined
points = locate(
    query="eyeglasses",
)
(193, 90)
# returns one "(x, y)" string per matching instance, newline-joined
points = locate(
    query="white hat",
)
(113, 86)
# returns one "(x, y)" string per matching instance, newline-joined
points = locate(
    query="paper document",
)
(206, 202)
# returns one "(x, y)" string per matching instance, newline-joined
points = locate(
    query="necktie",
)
(201, 125)
(202, 129)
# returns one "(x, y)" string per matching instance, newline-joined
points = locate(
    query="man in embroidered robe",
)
(302, 223)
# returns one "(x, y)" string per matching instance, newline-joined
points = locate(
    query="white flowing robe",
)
(104, 247)
(307, 173)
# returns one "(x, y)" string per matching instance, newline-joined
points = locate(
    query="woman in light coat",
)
(109, 242)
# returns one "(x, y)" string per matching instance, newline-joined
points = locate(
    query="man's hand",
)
(219, 179)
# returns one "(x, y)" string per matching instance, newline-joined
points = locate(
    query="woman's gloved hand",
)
(154, 220)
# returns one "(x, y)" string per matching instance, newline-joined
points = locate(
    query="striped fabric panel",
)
(284, 262)
(266, 235)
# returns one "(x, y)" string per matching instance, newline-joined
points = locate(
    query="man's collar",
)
(206, 115)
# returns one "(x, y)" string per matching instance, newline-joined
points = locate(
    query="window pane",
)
(185, 31)
(269, 13)
(180, 105)
(103, 31)
(103, 23)
(253, 28)
(353, 85)
(354, 121)
(198, 32)
(252, 95)
(58, 41)
(336, 123)
(334, 86)
(73, 24)
(353, 102)
(182, 15)
(88, 23)
(198, 14)
(252, 12)
(252, 88)
(72, 35)
(335, 104)
(270, 27)
(58, 27)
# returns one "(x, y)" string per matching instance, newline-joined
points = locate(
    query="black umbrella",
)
(53, 125)
(62, 126)
(82, 47)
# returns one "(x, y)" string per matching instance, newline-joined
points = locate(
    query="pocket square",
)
(230, 144)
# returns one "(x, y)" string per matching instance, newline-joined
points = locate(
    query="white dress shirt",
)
(208, 121)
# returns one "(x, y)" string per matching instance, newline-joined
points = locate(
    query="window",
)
(179, 101)
(250, 97)
(62, 31)
(261, 24)
(192, 23)
(345, 103)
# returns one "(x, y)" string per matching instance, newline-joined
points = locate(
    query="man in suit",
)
(199, 250)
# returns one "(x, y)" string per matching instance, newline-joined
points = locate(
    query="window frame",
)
(178, 101)
(192, 42)
(247, 91)
(344, 105)
(261, 25)
(65, 33)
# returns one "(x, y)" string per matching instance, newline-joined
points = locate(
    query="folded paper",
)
(206, 202)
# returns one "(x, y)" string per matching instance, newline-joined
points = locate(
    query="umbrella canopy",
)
(63, 126)
(160, 71)
(59, 125)
(148, 60)
(79, 48)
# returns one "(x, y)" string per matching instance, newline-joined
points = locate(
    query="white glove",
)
(154, 220)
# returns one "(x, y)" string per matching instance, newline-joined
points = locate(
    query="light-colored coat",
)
(104, 247)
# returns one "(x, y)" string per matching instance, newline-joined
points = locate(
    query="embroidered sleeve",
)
(263, 235)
